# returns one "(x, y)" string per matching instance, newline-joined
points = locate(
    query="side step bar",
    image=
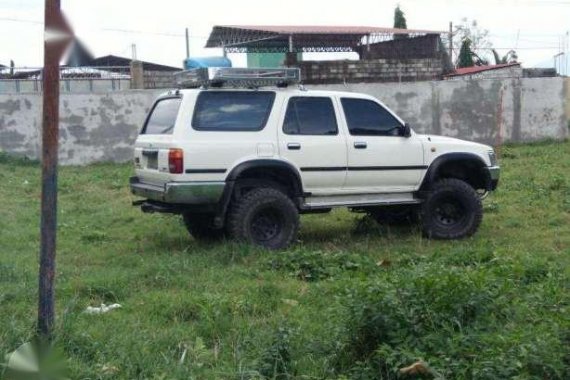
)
(315, 202)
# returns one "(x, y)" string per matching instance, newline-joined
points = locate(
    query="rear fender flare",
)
(252, 164)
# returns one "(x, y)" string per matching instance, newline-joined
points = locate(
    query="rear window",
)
(162, 117)
(232, 110)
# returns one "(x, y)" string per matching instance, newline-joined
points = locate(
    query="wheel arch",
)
(468, 167)
(279, 171)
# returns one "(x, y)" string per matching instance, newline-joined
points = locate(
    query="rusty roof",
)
(478, 69)
(266, 38)
(323, 29)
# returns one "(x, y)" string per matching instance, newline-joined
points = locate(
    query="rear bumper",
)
(494, 174)
(193, 193)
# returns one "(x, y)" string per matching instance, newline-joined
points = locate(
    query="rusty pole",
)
(57, 36)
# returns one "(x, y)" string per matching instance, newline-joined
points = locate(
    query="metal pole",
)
(187, 44)
(50, 135)
(451, 42)
(57, 37)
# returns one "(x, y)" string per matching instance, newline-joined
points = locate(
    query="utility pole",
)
(57, 36)
(187, 44)
(451, 42)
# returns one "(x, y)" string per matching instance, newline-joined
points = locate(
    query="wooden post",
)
(57, 36)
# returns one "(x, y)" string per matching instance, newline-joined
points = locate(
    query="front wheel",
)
(452, 210)
(265, 217)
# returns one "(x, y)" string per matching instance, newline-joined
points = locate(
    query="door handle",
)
(360, 145)
(294, 146)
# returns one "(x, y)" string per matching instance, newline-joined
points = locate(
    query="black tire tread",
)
(240, 208)
(456, 185)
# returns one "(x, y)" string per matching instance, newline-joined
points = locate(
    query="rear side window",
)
(232, 110)
(367, 118)
(310, 116)
(162, 117)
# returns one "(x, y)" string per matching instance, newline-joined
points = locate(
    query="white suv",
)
(245, 163)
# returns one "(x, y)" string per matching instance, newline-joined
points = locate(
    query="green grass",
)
(352, 300)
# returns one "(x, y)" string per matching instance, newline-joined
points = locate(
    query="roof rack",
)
(237, 77)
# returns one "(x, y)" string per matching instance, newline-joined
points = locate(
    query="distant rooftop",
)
(116, 61)
(307, 38)
(478, 69)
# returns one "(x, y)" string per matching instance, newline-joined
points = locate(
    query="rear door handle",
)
(294, 146)
(360, 145)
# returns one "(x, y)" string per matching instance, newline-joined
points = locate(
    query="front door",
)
(310, 139)
(380, 159)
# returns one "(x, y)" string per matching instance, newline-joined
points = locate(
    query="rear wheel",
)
(452, 210)
(265, 217)
(200, 226)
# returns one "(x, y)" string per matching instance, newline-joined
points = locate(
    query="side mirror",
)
(406, 131)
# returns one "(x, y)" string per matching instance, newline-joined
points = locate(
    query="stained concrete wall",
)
(103, 126)
(488, 111)
(93, 127)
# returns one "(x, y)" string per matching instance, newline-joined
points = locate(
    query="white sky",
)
(157, 27)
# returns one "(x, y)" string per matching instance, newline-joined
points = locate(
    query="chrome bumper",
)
(179, 192)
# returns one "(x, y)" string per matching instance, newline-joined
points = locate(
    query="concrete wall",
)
(371, 70)
(103, 126)
(488, 111)
(93, 126)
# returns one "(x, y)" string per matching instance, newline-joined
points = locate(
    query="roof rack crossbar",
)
(237, 77)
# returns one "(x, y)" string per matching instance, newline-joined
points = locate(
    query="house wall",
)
(372, 70)
(103, 126)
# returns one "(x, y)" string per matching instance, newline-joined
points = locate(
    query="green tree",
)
(400, 22)
(479, 43)
(465, 58)
(510, 57)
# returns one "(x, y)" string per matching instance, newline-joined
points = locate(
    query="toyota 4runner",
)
(238, 158)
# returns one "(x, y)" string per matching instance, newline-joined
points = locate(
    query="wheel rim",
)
(449, 212)
(266, 225)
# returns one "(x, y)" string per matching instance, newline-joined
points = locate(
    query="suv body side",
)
(334, 164)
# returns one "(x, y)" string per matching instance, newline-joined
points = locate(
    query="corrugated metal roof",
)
(268, 38)
(318, 29)
(478, 69)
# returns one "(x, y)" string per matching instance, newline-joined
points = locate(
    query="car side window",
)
(367, 118)
(310, 115)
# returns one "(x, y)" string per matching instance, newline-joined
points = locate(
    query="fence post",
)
(57, 36)
(137, 75)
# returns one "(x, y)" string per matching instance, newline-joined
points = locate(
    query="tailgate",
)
(155, 141)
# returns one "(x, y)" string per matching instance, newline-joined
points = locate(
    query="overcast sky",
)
(533, 27)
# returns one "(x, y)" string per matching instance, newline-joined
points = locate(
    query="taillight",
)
(176, 161)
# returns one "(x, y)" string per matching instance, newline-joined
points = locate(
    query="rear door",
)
(311, 139)
(155, 140)
(380, 159)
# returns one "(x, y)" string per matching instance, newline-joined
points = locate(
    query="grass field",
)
(351, 300)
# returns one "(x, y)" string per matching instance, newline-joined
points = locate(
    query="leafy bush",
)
(318, 265)
(467, 323)
(276, 360)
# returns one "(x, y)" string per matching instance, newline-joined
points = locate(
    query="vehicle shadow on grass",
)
(322, 234)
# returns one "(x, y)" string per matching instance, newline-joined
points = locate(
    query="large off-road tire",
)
(395, 214)
(265, 217)
(200, 227)
(451, 210)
